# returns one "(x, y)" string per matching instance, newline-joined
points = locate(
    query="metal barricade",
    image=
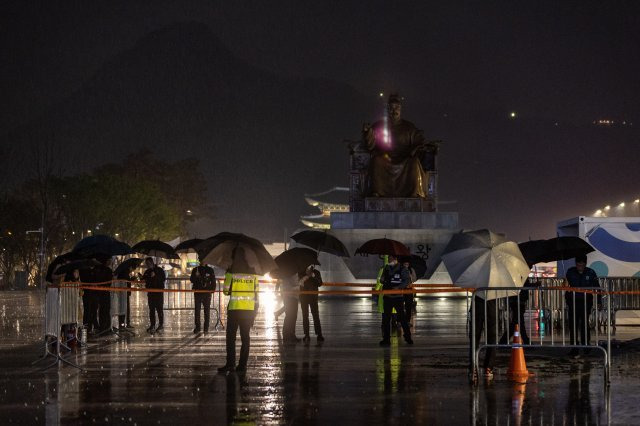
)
(184, 300)
(531, 309)
(118, 299)
(69, 304)
(52, 313)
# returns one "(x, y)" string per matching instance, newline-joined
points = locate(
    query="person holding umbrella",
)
(409, 303)
(394, 277)
(241, 285)
(580, 304)
(124, 272)
(154, 277)
(310, 281)
(202, 278)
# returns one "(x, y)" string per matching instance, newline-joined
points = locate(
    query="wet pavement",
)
(171, 377)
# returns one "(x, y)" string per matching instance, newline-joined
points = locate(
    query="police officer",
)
(202, 278)
(154, 277)
(394, 277)
(241, 285)
(580, 304)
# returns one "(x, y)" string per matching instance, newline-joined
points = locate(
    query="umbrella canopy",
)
(484, 259)
(384, 246)
(559, 248)
(321, 241)
(155, 248)
(563, 248)
(296, 259)
(132, 262)
(187, 245)
(236, 253)
(417, 263)
(101, 245)
(58, 261)
(77, 264)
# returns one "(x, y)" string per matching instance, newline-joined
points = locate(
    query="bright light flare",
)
(621, 204)
(607, 207)
(637, 200)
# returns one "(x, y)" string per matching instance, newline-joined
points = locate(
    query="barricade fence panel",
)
(494, 319)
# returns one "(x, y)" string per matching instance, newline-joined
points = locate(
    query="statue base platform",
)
(381, 204)
(425, 233)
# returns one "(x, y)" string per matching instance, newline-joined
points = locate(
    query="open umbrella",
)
(132, 262)
(384, 246)
(237, 253)
(321, 241)
(187, 245)
(559, 248)
(96, 245)
(296, 259)
(417, 263)
(58, 261)
(484, 259)
(155, 248)
(563, 248)
(77, 264)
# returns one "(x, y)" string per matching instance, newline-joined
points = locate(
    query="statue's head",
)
(394, 107)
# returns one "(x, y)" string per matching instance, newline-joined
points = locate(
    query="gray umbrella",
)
(485, 259)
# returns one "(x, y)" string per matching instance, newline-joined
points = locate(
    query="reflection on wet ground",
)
(171, 377)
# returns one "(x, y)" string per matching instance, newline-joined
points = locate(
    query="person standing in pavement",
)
(103, 275)
(202, 278)
(126, 275)
(154, 278)
(394, 277)
(289, 286)
(580, 304)
(310, 281)
(409, 303)
(241, 285)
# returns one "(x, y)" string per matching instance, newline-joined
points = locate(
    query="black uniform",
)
(104, 274)
(580, 304)
(89, 301)
(310, 302)
(122, 319)
(202, 278)
(154, 278)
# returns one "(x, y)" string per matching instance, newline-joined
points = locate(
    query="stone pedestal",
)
(425, 233)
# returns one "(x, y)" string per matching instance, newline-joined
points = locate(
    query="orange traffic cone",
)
(517, 367)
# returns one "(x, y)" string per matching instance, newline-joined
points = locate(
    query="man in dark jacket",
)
(202, 278)
(104, 275)
(394, 277)
(154, 277)
(580, 304)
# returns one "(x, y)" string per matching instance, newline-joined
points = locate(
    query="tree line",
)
(142, 197)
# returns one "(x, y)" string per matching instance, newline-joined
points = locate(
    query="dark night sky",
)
(280, 85)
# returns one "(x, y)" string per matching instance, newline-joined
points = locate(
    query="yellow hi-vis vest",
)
(242, 290)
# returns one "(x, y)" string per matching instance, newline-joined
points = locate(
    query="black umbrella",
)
(296, 259)
(559, 248)
(155, 248)
(321, 241)
(384, 246)
(188, 245)
(58, 261)
(101, 245)
(132, 262)
(417, 263)
(77, 264)
(563, 248)
(236, 253)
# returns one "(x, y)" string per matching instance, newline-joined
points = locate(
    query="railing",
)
(547, 317)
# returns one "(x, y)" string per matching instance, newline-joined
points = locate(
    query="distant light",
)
(73, 232)
(381, 94)
(598, 212)
(637, 200)
(607, 207)
(117, 235)
(88, 231)
(9, 233)
(512, 114)
(621, 204)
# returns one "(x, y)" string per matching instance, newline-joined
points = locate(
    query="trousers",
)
(155, 300)
(244, 320)
(389, 304)
(202, 300)
(309, 302)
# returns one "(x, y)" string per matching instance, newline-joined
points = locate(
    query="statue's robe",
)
(394, 169)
